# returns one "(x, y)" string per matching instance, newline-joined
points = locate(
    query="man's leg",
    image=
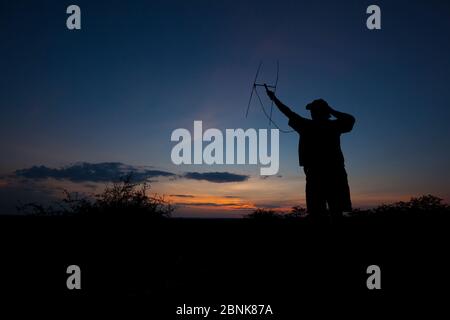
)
(315, 199)
(338, 194)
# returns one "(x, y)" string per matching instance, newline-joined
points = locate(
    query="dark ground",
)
(291, 265)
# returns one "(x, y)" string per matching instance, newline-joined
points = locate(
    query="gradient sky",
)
(115, 90)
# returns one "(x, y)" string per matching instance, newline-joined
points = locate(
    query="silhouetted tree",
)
(123, 198)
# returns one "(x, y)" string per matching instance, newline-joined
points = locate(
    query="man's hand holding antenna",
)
(272, 97)
(270, 93)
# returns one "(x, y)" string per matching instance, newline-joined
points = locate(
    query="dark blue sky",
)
(115, 90)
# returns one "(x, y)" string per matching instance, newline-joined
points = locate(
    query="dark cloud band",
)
(115, 171)
(217, 177)
(94, 172)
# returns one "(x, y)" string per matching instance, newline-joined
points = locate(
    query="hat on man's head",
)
(318, 104)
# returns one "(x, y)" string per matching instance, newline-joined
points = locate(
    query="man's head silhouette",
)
(320, 110)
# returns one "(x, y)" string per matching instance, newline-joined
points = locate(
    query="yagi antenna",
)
(274, 91)
(253, 89)
(255, 85)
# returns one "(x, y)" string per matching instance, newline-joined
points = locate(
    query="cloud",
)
(113, 171)
(269, 206)
(182, 195)
(226, 205)
(216, 177)
(208, 204)
(93, 172)
(267, 177)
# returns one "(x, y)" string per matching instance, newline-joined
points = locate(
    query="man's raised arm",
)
(283, 108)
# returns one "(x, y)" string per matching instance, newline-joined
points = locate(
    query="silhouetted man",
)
(320, 154)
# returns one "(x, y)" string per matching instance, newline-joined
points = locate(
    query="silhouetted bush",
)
(296, 212)
(123, 198)
(264, 214)
(427, 205)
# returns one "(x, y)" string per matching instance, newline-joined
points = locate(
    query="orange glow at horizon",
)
(236, 198)
(211, 201)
